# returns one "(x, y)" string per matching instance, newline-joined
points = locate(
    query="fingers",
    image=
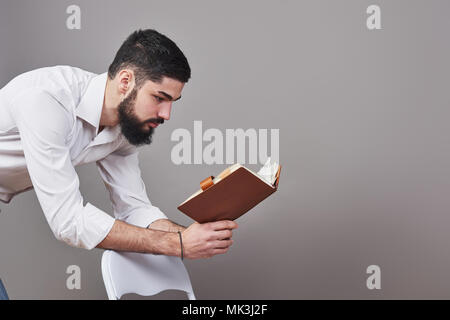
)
(222, 234)
(222, 244)
(223, 224)
(210, 238)
(219, 247)
(219, 251)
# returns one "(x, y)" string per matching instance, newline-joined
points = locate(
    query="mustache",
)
(155, 120)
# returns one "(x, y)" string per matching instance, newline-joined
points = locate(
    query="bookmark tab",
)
(206, 183)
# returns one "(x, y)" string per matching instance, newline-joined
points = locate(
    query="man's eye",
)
(159, 99)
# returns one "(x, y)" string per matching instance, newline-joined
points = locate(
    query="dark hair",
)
(151, 55)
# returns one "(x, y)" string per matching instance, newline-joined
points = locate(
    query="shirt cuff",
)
(143, 217)
(92, 227)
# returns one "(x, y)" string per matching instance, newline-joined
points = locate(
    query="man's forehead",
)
(167, 87)
(165, 83)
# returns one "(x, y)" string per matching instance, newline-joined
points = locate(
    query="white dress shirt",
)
(49, 123)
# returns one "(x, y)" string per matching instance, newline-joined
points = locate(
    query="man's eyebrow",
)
(168, 96)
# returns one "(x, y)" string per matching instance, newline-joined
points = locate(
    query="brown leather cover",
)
(229, 198)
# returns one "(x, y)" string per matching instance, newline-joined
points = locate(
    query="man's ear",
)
(126, 81)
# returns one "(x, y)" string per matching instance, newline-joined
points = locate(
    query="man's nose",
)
(164, 111)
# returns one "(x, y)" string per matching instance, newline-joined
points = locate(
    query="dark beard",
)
(136, 132)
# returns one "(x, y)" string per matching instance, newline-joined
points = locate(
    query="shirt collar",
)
(91, 104)
(90, 110)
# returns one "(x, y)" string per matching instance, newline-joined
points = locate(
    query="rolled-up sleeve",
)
(43, 125)
(122, 177)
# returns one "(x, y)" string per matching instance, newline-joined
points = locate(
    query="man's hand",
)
(207, 239)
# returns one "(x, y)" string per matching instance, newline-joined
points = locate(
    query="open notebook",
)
(232, 193)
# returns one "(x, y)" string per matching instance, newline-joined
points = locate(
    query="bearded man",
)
(55, 118)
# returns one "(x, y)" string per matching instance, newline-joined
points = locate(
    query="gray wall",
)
(364, 142)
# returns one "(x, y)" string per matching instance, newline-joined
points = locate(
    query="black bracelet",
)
(181, 245)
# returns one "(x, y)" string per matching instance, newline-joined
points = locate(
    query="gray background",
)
(364, 142)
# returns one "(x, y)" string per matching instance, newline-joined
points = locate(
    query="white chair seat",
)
(144, 274)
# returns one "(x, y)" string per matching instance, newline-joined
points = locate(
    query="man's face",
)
(144, 109)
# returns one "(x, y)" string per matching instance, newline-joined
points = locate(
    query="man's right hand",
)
(207, 239)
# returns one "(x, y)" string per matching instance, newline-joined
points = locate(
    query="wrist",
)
(162, 242)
